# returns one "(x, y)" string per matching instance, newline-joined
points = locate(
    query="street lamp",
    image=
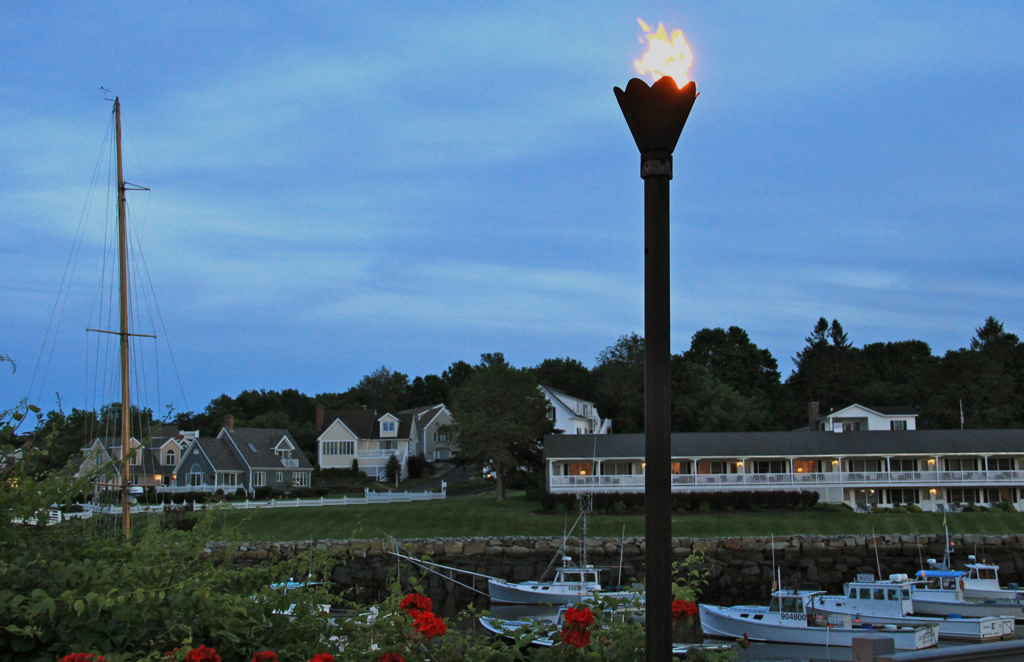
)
(656, 116)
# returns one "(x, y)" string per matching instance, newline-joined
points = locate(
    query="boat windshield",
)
(788, 605)
(985, 573)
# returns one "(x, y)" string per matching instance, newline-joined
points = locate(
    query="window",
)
(388, 445)
(893, 594)
(770, 467)
(195, 476)
(301, 478)
(806, 466)
(228, 479)
(280, 476)
(865, 594)
(136, 457)
(903, 464)
(387, 426)
(879, 594)
(961, 464)
(1000, 494)
(897, 425)
(348, 448)
(169, 459)
(1000, 464)
(962, 495)
(865, 465)
(903, 497)
(259, 479)
(678, 468)
(712, 467)
(338, 448)
(577, 469)
(851, 426)
(619, 468)
(442, 455)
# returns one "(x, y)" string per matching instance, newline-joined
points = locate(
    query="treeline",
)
(723, 382)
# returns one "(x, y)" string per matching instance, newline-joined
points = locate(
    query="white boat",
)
(571, 584)
(543, 628)
(893, 602)
(981, 584)
(942, 593)
(793, 618)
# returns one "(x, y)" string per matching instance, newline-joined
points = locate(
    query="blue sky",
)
(341, 186)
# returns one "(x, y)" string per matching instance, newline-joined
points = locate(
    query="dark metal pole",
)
(656, 170)
(656, 116)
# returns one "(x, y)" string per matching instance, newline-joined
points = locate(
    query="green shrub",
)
(900, 510)
(619, 508)
(978, 509)
(1004, 506)
(914, 508)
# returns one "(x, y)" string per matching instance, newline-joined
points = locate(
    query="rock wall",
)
(740, 568)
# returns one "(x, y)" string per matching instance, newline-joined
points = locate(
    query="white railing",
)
(177, 489)
(846, 479)
(376, 453)
(289, 462)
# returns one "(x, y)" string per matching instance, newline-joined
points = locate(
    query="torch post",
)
(656, 116)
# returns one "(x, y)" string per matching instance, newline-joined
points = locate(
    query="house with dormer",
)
(151, 463)
(858, 417)
(365, 437)
(573, 415)
(434, 440)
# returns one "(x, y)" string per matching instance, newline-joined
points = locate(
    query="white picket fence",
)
(367, 499)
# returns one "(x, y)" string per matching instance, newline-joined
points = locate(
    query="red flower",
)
(579, 618)
(83, 657)
(391, 657)
(575, 637)
(264, 656)
(430, 625)
(416, 603)
(325, 657)
(682, 608)
(202, 654)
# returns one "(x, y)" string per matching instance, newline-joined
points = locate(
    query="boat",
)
(942, 593)
(892, 603)
(981, 584)
(794, 618)
(572, 584)
(544, 627)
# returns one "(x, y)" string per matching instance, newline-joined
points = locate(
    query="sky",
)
(338, 186)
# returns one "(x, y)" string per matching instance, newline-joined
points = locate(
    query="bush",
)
(1004, 506)
(900, 510)
(977, 509)
(692, 501)
(914, 508)
(355, 467)
(419, 466)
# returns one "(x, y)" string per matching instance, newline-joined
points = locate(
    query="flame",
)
(665, 56)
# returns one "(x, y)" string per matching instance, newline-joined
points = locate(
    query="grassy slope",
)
(483, 516)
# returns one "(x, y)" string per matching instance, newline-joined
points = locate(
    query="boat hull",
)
(972, 609)
(545, 593)
(730, 623)
(974, 630)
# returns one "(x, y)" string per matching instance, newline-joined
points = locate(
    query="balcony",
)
(635, 483)
(289, 462)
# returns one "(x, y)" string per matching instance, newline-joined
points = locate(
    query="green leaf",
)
(79, 607)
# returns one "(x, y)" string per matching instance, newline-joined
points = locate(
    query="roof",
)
(424, 415)
(363, 422)
(220, 454)
(264, 440)
(883, 411)
(559, 396)
(792, 444)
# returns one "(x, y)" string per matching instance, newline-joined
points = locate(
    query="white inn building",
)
(935, 469)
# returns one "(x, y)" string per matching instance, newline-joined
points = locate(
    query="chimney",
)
(229, 422)
(813, 414)
(319, 418)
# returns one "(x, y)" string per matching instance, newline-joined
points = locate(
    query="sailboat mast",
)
(126, 520)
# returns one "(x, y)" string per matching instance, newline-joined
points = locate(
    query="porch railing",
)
(845, 479)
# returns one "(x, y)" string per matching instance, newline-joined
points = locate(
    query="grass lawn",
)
(483, 516)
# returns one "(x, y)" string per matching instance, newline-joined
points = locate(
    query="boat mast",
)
(126, 520)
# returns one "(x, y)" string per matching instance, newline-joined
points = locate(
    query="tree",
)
(457, 374)
(392, 469)
(619, 383)
(827, 371)
(703, 403)
(428, 391)
(500, 418)
(567, 375)
(383, 390)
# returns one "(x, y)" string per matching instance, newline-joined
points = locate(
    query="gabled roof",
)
(217, 450)
(881, 411)
(257, 445)
(560, 396)
(793, 444)
(364, 422)
(425, 415)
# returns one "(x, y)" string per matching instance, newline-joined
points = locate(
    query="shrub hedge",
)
(633, 502)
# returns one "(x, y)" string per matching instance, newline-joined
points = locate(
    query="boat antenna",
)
(878, 563)
(773, 554)
(622, 549)
(920, 556)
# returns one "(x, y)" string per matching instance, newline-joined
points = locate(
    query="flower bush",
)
(682, 608)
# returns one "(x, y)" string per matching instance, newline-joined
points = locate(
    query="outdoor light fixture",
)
(656, 115)
(932, 461)
(835, 462)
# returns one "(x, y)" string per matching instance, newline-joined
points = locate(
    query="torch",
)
(656, 116)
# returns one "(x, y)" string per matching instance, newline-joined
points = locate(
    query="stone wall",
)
(740, 568)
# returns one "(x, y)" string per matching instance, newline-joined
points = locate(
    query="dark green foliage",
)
(619, 383)
(688, 501)
(392, 469)
(499, 419)
(418, 466)
(567, 375)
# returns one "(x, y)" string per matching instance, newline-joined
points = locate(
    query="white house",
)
(433, 440)
(574, 415)
(366, 437)
(858, 417)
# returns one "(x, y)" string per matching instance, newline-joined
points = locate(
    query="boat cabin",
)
(587, 575)
(940, 585)
(982, 575)
(879, 598)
